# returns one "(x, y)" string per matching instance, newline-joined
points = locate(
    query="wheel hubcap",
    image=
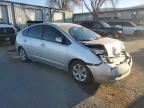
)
(79, 72)
(22, 55)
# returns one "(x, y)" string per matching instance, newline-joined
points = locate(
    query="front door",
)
(53, 51)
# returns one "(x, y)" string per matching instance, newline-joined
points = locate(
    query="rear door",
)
(32, 41)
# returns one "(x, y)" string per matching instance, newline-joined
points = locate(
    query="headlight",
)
(103, 58)
(119, 31)
(100, 54)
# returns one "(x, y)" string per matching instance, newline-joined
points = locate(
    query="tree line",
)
(93, 6)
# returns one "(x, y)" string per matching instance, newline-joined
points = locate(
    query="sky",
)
(121, 4)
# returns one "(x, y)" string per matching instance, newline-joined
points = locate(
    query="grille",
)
(6, 31)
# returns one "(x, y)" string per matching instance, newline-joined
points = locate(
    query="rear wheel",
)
(81, 73)
(23, 55)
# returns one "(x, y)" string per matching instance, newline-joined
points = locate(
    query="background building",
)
(19, 13)
(135, 14)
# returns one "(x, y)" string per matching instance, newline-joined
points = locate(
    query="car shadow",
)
(37, 85)
(139, 103)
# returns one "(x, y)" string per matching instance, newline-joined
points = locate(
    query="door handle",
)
(43, 45)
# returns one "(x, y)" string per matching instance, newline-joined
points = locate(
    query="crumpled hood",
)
(112, 46)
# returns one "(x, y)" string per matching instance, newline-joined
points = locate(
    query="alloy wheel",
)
(22, 55)
(79, 72)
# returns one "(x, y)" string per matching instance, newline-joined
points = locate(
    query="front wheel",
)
(81, 73)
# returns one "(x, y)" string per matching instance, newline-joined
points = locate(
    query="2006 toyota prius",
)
(76, 49)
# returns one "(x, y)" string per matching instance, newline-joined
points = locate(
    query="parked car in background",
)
(140, 25)
(75, 49)
(29, 23)
(129, 28)
(103, 28)
(7, 32)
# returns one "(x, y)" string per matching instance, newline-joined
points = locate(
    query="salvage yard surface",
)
(36, 85)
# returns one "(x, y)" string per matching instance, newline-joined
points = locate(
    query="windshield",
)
(105, 24)
(83, 34)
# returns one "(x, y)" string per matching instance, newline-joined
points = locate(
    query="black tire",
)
(138, 33)
(23, 55)
(89, 76)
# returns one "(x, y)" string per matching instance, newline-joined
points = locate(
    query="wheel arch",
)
(73, 60)
(19, 47)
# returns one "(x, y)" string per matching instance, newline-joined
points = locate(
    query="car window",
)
(50, 34)
(105, 24)
(34, 31)
(2, 21)
(123, 24)
(25, 32)
(127, 24)
(114, 23)
(97, 25)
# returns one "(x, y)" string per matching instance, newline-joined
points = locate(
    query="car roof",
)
(62, 26)
(65, 26)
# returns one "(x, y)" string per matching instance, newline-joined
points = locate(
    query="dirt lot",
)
(36, 85)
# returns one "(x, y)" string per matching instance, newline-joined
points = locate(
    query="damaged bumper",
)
(111, 72)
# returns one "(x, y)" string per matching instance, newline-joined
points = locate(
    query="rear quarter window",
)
(34, 31)
(25, 32)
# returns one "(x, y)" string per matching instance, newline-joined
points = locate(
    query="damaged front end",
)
(116, 62)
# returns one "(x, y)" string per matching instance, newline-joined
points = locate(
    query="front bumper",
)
(111, 72)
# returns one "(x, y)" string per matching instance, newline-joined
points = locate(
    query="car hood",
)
(113, 47)
(5, 25)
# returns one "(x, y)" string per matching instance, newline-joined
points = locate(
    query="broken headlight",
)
(100, 54)
(103, 58)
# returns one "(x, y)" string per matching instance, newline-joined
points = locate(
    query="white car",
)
(129, 28)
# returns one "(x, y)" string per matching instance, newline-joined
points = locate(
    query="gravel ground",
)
(36, 85)
(127, 93)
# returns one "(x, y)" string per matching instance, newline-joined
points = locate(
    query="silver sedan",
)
(75, 49)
